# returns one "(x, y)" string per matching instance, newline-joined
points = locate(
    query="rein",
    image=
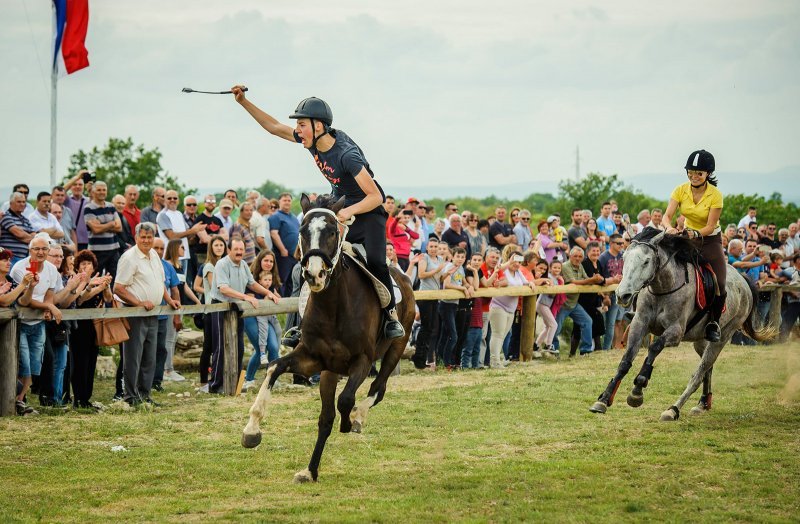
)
(649, 282)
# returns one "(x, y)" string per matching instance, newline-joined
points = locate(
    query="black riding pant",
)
(711, 249)
(369, 230)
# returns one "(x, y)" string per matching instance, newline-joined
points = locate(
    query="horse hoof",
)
(668, 416)
(251, 441)
(698, 410)
(356, 427)
(301, 477)
(598, 407)
(635, 401)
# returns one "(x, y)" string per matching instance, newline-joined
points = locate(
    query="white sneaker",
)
(248, 384)
(203, 388)
(264, 359)
(173, 376)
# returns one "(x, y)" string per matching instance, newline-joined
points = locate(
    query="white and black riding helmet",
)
(702, 160)
(314, 108)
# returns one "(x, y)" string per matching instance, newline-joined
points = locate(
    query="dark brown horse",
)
(340, 333)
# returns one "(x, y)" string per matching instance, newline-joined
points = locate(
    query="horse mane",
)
(683, 249)
(325, 201)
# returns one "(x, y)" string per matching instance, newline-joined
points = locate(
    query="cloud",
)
(458, 92)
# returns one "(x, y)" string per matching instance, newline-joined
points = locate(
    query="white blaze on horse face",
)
(635, 271)
(315, 266)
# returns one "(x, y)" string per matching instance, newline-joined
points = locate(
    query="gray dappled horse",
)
(341, 332)
(659, 268)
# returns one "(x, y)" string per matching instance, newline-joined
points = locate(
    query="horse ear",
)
(338, 205)
(658, 238)
(305, 203)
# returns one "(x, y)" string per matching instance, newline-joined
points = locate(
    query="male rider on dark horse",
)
(345, 167)
(700, 203)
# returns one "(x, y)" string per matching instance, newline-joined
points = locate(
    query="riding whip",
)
(190, 90)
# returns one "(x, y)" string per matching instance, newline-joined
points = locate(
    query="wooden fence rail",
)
(9, 319)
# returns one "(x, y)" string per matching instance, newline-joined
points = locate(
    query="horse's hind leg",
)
(636, 332)
(705, 400)
(378, 387)
(327, 393)
(297, 362)
(347, 398)
(670, 337)
(706, 364)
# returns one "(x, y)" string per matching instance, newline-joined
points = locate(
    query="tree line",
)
(121, 162)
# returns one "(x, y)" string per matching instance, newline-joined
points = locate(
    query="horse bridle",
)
(648, 283)
(341, 232)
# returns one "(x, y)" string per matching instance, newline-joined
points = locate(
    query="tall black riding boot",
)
(713, 333)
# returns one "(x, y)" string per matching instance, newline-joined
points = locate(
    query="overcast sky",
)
(447, 92)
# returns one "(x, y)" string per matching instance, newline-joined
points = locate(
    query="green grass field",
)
(516, 445)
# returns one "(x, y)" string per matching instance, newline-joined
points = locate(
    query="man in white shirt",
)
(31, 332)
(172, 225)
(140, 283)
(749, 217)
(642, 221)
(42, 220)
(23, 189)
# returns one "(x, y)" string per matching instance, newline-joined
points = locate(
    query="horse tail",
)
(753, 326)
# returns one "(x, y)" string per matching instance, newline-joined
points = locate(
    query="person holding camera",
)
(77, 202)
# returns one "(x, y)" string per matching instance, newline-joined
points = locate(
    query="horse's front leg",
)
(327, 393)
(637, 331)
(347, 398)
(297, 362)
(670, 337)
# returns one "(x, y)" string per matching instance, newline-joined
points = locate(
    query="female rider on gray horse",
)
(700, 203)
(345, 167)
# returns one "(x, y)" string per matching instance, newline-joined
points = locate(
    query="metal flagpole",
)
(53, 108)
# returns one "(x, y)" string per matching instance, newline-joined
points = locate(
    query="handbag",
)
(111, 331)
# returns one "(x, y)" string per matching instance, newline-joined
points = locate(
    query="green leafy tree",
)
(596, 188)
(770, 209)
(120, 163)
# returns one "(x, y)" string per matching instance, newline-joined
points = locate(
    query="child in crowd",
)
(455, 278)
(263, 330)
(547, 307)
(775, 261)
(470, 355)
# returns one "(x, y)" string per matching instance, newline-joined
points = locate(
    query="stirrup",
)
(291, 338)
(393, 329)
(713, 332)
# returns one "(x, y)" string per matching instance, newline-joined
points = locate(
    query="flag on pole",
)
(72, 21)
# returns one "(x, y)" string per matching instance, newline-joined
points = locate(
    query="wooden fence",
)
(9, 319)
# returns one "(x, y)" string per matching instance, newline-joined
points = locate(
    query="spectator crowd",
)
(75, 248)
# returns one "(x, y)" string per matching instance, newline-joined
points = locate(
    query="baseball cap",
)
(225, 202)
(551, 218)
(412, 200)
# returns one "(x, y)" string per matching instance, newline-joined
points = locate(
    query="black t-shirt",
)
(340, 165)
(213, 224)
(774, 244)
(589, 300)
(499, 228)
(453, 239)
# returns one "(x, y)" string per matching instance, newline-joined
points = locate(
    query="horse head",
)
(641, 264)
(321, 237)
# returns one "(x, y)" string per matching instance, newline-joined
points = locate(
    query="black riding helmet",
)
(701, 160)
(314, 108)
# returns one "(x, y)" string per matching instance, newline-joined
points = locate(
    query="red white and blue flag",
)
(72, 21)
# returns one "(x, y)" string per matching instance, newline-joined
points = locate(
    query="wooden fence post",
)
(527, 328)
(774, 315)
(230, 339)
(8, 367)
